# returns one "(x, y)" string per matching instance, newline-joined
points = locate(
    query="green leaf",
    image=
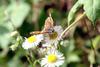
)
(2, 16)
(15, 62)
(4, 36)
(17, 12)
(72, 57)
(17, 43)
(91, 57)
(5, 30)
(96, 41)
(16, 1)
(73, 11)
(92, 9)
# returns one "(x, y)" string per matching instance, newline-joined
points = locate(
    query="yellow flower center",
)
(32, 39)
(52, 58)
(53, 35)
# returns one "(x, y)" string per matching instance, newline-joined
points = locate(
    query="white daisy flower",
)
(52, 38)
(32, 41)
(45, 48)
(42, 51)
(52, 59)
(47, 45)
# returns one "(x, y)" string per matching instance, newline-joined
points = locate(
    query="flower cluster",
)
(49, 42)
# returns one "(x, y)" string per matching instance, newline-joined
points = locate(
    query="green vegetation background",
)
(26, 16)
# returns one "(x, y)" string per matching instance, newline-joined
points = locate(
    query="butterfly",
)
(48, 27)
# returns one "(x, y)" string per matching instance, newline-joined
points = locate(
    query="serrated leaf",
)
(92, 9)
(73, 11)
(18, 12)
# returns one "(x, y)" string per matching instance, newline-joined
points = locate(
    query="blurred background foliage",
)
(26, 16)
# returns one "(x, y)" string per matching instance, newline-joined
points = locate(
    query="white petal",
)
(26, 45)
(59, 61)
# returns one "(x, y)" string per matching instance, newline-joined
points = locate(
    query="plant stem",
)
(14, 33)
(70, 26)
(29, 60)
(35, 63)
(90, 40)
(91, 65)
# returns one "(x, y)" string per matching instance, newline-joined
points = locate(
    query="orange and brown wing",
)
(48, 27)
(49, 23)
